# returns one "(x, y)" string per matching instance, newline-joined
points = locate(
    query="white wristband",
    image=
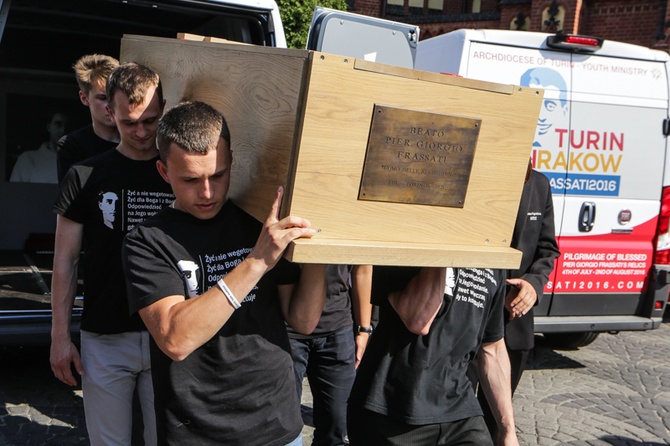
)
(229, 294)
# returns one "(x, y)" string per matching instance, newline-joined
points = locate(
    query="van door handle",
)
(587, 216)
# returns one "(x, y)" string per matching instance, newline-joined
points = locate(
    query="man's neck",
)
(137, 155)
(106, 132)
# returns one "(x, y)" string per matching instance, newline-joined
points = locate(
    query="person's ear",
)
(110, 111)
(83, 97)
(162, 170)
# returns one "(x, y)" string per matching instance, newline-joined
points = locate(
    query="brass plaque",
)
(418, 157)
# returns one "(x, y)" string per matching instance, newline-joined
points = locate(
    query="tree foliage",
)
(297, 16)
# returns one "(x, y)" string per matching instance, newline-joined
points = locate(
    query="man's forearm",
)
(494, 379)
(361, 287)
(67, 247)
(180, 325)
(64, 278)
(63, 291)
(303, 308)
(418, 303)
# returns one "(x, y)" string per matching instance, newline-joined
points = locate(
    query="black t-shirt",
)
(78, 146)
(239, 387)
(336, 314)
(109, 194)
(422, 380)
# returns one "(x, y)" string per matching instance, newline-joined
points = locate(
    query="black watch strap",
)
(360, 329)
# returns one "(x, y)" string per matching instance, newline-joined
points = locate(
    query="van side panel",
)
(599, 142)
(435, 59)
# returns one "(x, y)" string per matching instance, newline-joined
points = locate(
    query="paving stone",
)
(612, 392)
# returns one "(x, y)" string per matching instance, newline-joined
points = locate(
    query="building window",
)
(394, 7)
(416, 7)
(433, 7)
(476, 6)
(520, 23)
(553, 18)
(436, 5)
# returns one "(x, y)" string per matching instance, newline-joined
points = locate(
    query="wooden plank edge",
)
(358, 252)
(235, 46)
(427, 76)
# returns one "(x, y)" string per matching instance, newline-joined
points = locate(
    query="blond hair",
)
(93, 69)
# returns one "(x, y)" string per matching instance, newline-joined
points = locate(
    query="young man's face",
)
(200, 182)
(137, 123)
(96, 101)
(56, 128)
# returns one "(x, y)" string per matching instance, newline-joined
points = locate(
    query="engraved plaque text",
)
(418, 157)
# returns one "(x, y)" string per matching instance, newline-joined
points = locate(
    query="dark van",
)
(39, 42)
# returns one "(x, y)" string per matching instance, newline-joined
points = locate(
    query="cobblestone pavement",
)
(614, 392)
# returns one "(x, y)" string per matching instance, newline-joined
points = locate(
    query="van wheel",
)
(570, 341)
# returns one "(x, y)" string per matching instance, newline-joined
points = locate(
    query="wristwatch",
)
(360, 329)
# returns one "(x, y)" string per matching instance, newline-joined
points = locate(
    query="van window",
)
(51, 35)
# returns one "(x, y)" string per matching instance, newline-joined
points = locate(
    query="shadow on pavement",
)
(36, 408)
(622, 441)
(543, 357)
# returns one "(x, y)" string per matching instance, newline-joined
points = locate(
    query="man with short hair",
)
(210, 282)
(412, 386)
(114, 345)
(91, 72)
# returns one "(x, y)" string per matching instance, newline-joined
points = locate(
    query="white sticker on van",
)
(600, 117)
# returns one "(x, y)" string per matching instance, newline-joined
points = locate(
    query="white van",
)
(602, 141)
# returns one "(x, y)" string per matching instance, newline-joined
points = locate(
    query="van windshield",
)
(53, 34)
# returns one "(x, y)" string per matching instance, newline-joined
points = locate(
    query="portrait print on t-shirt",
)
(450, 282)
(107, 205)
(188, 271)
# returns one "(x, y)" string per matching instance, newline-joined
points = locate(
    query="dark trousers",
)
(518, 360)
(368, 428)
(329, 363)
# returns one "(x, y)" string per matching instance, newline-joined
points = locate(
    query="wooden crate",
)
(303, 119)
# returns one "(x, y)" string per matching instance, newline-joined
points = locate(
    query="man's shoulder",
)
(32, 157)
(539, 178)
(234, 216)
(76, 138)
(165, 229)
(84, 142)
(81, 132)
(231, 208)
(99, 164)
(111, 170)
(154, 224)
(112, 162)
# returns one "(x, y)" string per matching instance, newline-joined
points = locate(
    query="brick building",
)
(642, 22)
